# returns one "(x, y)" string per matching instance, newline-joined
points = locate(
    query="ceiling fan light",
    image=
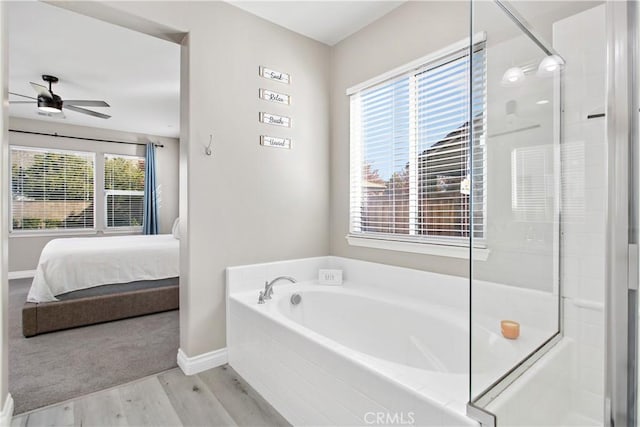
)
(50, 105)
(49, 109)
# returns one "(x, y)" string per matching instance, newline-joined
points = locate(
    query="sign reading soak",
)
(280, 98)
(274, 119)
(272, 141)
(279, 76)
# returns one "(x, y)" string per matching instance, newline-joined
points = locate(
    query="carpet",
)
(54, 367)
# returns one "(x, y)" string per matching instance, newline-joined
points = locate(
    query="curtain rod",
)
(56, 135)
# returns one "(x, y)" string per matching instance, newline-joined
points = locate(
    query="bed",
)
(82, 281)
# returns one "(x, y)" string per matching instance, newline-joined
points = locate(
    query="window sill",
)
(62, 233)
(451, 251)
(70, 233)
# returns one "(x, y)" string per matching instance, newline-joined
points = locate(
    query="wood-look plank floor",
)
(218, 397)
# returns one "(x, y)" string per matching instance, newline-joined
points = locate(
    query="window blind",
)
(123, 191)
(51, 189)
(414, 169)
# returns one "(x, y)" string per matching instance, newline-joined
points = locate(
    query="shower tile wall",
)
(583, 197)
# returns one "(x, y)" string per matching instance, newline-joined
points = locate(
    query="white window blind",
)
(123, 191)
(51, 189)
(411, 163)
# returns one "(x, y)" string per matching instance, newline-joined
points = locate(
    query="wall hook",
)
(207, 149)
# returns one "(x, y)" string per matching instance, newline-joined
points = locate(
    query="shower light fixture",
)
(549, 65)
(513, 76)
(542, 102)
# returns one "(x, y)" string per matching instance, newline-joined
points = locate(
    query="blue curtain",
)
(150, 218)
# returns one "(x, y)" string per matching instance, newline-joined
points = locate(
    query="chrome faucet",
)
(268, 286)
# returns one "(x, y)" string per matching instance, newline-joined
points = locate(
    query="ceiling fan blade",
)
(22, 102)
(23, 96)
(42, 91)
(85, 103)
(85, 111)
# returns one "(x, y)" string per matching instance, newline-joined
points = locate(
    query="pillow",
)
(175, 230)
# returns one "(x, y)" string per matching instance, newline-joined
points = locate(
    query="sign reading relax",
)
(280, 98)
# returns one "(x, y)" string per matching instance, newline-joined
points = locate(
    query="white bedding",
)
(79, 263)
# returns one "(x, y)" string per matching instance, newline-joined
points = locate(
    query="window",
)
(123, 191)
(410, 153)
(51, 189)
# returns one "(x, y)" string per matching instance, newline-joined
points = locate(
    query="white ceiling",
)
(138, 75)
(326, 21)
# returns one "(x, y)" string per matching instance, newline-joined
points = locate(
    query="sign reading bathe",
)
(274, 119)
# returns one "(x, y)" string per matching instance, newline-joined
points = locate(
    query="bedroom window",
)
(123, 191)
(411, 161)
(51, 189)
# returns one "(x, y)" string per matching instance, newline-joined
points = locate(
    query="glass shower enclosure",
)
(536, 183)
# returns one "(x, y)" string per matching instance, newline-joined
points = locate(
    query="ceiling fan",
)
(49, 102)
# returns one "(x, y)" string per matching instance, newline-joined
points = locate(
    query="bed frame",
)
(40, 318)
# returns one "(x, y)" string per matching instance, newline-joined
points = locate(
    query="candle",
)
(510, 329)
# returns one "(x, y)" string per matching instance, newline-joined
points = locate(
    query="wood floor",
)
(218, 397)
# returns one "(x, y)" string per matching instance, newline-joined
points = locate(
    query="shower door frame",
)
(621, 289)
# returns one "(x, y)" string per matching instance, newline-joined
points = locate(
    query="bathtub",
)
(335, 358)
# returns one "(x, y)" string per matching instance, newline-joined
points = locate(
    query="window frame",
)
(457, 247)
(106, 193)
(52, 231)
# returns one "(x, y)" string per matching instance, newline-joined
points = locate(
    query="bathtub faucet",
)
(268, 286)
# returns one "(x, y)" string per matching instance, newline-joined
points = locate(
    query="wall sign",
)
(272, 141)
(274, 119)
(280, 98)
(278, 76)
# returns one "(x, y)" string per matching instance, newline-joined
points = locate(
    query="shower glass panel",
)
(514, 185)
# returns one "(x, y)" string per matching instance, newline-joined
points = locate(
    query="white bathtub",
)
(357, 354)
(421, 336)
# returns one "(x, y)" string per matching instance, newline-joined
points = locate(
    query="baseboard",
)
(7, 412)
(201, 362)
(25, 274)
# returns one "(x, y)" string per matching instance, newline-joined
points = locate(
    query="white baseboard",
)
(7, 412)
(201, 362)
(25, 274)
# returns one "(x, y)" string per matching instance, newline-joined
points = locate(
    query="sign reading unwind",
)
(272, 141)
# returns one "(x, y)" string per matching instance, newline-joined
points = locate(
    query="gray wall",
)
(24, 250)
(246, 203)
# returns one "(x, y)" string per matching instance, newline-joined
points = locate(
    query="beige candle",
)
(510, 329)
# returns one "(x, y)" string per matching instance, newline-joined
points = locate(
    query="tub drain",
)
(296, 299)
